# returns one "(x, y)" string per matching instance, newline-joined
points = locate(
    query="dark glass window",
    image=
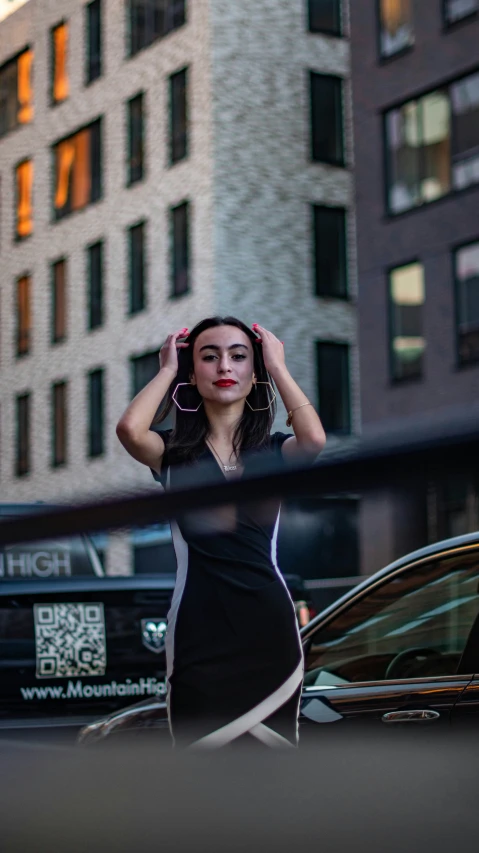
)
(59, 423)
(95, 285)
(181, 261)
(16, 92)
(24, 199)
(178, 116)
(433, 145)
(59, 63)
(333, 386)
(456, 10)
(24, 315)
(23, 435)
(153, 19)
(143, 369)
(59, 297)
(136, 133)
(406, 299)
(327, 119)
(96, 412)
(330, 251)
(396, 31)
(77, 161)
(93, 41)
(325, 16)
(137, 267)
(466, 262)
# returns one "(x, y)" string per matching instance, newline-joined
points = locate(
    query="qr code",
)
(70, 639)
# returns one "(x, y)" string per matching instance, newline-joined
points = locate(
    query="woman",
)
(234, 658)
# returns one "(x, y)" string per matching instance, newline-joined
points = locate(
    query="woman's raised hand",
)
(273, 349)
(169, 351)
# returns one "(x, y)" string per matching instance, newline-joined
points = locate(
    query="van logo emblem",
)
(153, 633)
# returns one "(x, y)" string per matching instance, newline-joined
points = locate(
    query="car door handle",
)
(410, 716)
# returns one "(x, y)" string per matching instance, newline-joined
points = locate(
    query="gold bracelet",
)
(290, 414)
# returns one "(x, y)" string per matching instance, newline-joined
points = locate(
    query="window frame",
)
(19, 238)
(451, 25)
(14, 60)
(25, 469)
(341, 162)
(174, 293)
(89, 79)
(184, 156)
(344, 296)
(88, 251)
(132, 311)
(345, 347)
(141, 98)
(54, 102)
(20, 354)
(58, 461)
(95, 451)
(444, 85)
(130, 53)
(400, 380)
(460, 365)
(96, 169)
(384, 58)
(54, 340)
(134, 360)
(338, 32)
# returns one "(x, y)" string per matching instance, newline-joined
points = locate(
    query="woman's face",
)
(223, 364)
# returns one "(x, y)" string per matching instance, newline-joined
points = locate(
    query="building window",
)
(59, 63)
(180, 258)
(433, 145)
(333, 386)
(406, 301)
(466, 263)
(93, 41)
(325, 16)
(396, 32)
(330, 251)
(59, 424)
(327, 119)
(23, 200)
(77, 170)
(23, 435)
(24, 315)
(136, 248)
(178, 116)
(95, 285)
(143, 369)
(59, 301)
(136, 132)
(456, 10)
(16, 93)
(153, 19)
(96, 412)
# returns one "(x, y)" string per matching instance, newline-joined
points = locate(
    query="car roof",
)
(412, 557)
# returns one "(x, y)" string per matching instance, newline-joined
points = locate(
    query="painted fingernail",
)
(282, 342)
(254, 326)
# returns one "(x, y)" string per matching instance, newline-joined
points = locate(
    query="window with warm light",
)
(396, 32)
(23, 200)
(466, 265)
(406, 300)
(77, 161)
(24, 315)
(433, 145)
(59, 62)
(16, 92)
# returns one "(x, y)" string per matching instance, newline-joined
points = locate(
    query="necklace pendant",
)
(230, 467)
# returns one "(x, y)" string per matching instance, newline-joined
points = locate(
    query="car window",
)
(414, 625)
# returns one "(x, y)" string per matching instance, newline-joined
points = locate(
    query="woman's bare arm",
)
(133, 428)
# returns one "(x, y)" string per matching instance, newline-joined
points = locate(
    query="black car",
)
(402, 647)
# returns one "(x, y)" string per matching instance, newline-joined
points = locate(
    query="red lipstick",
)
(224, 383)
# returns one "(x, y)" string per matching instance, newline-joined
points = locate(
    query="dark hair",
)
(192, 428)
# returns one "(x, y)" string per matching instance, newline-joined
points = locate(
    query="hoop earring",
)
(173, 397)
(273, 398)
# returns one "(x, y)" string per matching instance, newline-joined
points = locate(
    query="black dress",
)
(234, 656)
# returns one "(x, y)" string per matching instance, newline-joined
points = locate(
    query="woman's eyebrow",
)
(216, 347)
